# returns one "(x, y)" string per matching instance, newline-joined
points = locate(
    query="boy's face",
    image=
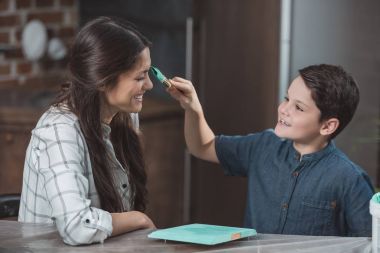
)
(298, 115)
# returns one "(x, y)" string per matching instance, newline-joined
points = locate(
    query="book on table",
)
(202, 234)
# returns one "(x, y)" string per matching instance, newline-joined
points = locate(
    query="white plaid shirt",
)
(58, 184)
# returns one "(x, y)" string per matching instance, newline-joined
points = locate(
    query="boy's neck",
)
(310, 147)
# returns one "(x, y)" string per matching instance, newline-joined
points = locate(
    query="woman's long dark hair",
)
(103, 49)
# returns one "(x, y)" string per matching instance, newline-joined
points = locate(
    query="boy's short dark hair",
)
(334, 91)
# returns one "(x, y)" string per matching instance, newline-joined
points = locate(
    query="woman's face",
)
(127, 95)
(298, 115)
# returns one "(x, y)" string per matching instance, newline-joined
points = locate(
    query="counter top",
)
(23, 237)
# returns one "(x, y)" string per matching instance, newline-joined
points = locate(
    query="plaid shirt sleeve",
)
(61, 159)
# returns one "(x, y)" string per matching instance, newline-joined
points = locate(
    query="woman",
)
(84, 168)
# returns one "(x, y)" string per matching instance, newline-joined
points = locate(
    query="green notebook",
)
(202, 234)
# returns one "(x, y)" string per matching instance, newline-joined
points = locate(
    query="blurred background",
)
(240, 54)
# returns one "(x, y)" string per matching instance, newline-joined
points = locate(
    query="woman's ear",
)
(102, 87)
(329, 126)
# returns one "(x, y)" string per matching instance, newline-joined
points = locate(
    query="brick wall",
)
(61, 20)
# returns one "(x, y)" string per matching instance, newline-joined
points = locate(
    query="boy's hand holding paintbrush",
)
(181, 90)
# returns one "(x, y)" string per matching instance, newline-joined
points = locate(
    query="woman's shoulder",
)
(57, 119)
(58, 124)
(56, 115)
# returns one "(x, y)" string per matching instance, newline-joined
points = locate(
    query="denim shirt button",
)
(295, 174)
(285, 206)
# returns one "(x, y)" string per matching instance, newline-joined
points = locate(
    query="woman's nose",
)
(148, 85)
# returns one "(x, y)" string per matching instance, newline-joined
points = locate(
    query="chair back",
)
(9, 205)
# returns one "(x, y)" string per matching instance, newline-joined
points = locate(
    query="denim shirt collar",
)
(313, 156)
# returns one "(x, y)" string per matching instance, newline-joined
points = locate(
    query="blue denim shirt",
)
(324, 193)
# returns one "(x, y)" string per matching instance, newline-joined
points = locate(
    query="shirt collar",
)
(106, 130)
(316, 155)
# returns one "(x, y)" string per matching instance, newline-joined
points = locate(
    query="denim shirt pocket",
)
(316, 216)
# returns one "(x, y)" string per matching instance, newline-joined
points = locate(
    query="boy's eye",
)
(140, 78)
(286, 99)
(299, 108)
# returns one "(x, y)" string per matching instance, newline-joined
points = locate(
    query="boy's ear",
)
(329, 126)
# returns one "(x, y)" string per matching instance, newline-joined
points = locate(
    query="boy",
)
(298, 181)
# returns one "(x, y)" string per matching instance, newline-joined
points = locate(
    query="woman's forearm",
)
(130, 221)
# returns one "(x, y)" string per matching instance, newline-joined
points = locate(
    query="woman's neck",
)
(106, 112)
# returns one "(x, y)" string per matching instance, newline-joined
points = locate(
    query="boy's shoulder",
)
(268, 136)
(264, 143)
(341, 163)
(265, 138)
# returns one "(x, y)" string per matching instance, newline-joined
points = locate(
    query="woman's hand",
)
(146, 221)
(183, 91)
(129, 221)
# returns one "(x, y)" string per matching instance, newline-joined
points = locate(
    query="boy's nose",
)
(283, 108)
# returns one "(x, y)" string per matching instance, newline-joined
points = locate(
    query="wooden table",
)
(30, 238)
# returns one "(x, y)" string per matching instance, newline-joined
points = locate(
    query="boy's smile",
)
(283, 122)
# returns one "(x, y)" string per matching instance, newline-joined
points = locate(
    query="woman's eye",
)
(286, 99)
(140, 78)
